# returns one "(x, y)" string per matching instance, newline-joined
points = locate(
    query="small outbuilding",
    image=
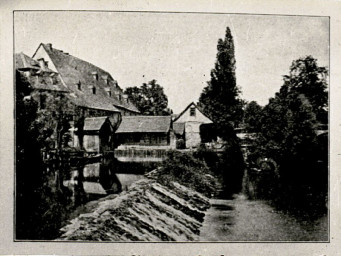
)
(195, 125)
(98, 134)
(145, 131)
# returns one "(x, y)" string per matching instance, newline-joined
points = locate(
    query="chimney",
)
(95, 75)
(49, 46)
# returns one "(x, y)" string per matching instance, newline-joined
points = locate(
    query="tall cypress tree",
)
(220, 98)
(220, 101)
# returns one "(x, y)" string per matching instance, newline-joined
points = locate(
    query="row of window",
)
(93, 88)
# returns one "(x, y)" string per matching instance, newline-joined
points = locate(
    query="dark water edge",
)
(73, 193)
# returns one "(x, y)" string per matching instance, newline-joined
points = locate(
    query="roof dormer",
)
(95, 75)
(108, 90)
(105, 79)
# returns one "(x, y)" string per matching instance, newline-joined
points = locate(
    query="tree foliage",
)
(39, 209)
(307, 78)
(252, 116)
(220, 98)
(287, 134)
(149, 98)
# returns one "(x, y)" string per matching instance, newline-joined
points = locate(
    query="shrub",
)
(187, 170)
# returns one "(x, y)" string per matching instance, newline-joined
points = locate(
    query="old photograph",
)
(171, 127)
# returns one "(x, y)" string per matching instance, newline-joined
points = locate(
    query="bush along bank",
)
(165, 206)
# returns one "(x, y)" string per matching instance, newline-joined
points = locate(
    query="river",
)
(240, 219)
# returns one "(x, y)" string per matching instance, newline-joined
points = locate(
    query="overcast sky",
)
(179, 49)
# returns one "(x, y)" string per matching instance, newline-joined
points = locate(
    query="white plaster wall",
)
(192, 134)
(199, 117)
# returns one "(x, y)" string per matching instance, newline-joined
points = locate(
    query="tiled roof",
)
(45, 82)
(23, 62)
(39, 79)
(135, 124)
(94, 123)
(74, 71)
(179, 128)
(93, 188)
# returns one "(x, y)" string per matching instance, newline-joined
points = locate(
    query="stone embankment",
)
(148, 211)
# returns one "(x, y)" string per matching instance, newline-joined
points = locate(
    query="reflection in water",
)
(94, 180)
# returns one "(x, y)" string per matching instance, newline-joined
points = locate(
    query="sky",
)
(179, 49)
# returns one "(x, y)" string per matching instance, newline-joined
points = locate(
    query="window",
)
(192, 111)
(94, 90)
(79, 85)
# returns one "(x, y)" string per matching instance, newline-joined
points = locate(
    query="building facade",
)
(191, 122)
(91, 91)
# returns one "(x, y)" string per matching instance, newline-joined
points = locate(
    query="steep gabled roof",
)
(191, 104)
(39, 79)
(145, 124)
(75, 71)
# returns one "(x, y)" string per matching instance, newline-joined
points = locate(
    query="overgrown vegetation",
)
(220, 100)
(189, 171)
(40, 207)
(288, 135)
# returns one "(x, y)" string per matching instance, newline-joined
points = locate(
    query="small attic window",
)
(92, 88)
(107, 89)
(105, 79)
(115, 84)
(79, 85)
(95, 75)
(192, 111)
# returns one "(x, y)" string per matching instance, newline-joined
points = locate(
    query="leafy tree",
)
(288, 136)
(306, 77)
(220, 98)
(252, 116)
(53, 120)
(39, 208)
(150, 99)
(220, 101)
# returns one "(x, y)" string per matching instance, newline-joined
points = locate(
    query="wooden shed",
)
(145, 131)
(98, 134)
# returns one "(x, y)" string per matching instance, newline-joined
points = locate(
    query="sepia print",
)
(182, 127)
